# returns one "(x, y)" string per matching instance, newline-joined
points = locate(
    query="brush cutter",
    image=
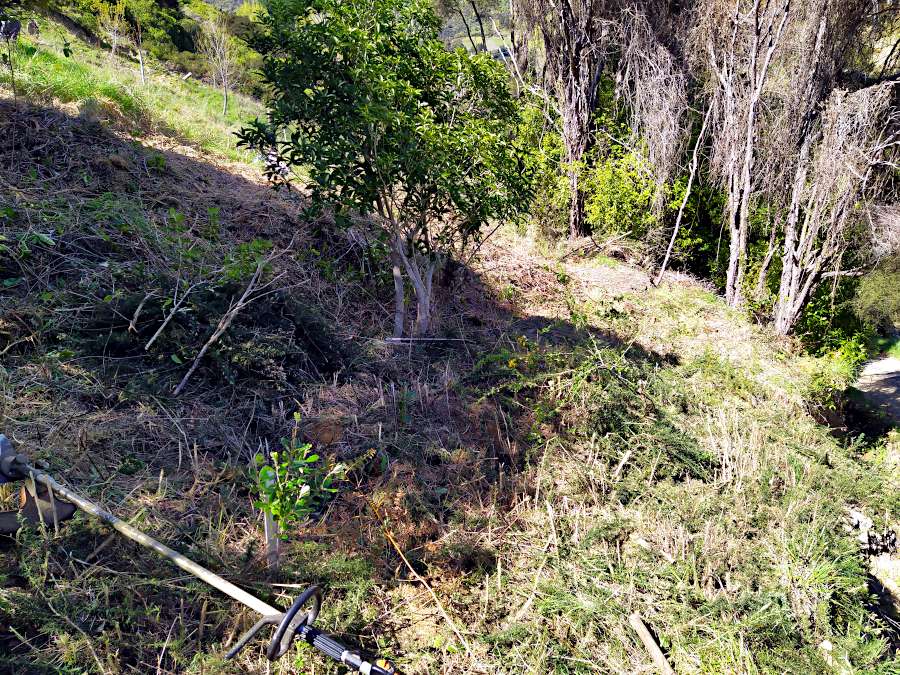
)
(44, 501)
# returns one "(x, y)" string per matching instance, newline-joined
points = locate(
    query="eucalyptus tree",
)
(419, 141)
(577, 37)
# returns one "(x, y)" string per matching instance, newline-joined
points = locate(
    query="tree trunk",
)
(480, 25)
(734, 252)
(224, 100)
(140, 55)
(576, 205)
(468, 30)
(520, 52)
(766, 263)
(399, 298)
(420, 272)
(12, 71)
(785, 313)
(423, 301)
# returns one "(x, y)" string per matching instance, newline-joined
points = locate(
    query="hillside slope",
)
(582, 447)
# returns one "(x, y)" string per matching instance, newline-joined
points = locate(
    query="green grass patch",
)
(187, 109)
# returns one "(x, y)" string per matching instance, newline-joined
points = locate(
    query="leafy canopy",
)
(387, 121)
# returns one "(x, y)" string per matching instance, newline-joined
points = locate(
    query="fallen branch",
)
(225, 321)
(637, 623)
(175, 307)
(132, 326)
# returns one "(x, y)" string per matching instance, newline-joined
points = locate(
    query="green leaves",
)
(293, 483)
(386, 120)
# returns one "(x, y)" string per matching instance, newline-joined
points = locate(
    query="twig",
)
(418, 577)
(650, 644)
(27, 338)
(224, 323)
(178, 303)
(423, 339)
(132, 325)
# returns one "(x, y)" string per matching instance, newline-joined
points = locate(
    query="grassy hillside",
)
(584, 446)
(100, 85)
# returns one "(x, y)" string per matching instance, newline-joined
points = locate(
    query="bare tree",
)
(827, 133)
(217, 45)
(578, 40)
(830, 203)
(653, 83)
(740, 43)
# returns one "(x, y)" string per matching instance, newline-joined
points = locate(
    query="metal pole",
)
(134, 534)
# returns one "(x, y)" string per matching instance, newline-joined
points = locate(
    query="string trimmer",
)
(44, 501)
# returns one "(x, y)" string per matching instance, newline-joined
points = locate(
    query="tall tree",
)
(577, 40)
(740, 40)
(844, 162)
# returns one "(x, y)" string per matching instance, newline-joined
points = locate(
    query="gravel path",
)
(880, 383)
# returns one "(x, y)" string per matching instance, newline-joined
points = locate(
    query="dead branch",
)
(178, 302)
(637, 623)
(226, 320)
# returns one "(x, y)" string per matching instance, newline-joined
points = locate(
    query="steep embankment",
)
(583, 447)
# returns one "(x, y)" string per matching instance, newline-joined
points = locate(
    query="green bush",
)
(421, 138)
(620, 190)
(877, 300)
(550, 208)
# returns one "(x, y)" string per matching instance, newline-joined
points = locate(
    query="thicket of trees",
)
(753, 141)
(773, 122)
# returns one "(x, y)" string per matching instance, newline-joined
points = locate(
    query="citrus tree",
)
(390, 125)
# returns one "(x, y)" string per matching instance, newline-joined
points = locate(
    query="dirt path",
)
(880, 384)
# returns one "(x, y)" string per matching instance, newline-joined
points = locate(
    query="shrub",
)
(393, 126)
(877, 298)
(620, 191)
